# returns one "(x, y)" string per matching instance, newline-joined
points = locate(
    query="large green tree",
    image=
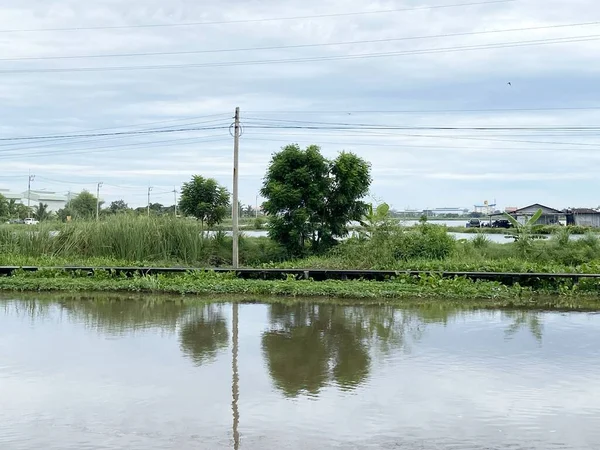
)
(83, 206)
(204, 199)
(311, 200)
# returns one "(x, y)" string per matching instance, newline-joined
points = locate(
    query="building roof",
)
(44, 196)
(10, 195)
(545, 209)
(584, 211)
(526, 210)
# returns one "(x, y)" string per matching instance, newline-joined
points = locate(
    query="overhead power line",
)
(121, 133)
(564, 40)
(404, 145)
(53, 140)
(285, 124)
(289, 47)
(423, 111)
(266, 19)
(276, 124)
(27, 145)
(107, 148)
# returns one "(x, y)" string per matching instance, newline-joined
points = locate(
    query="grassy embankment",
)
(165, 242)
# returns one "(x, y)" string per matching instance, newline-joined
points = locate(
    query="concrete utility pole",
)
(31, 178)
(175, 202)
(235, 206)
(149, 190)
(98, 200)
(256, 211)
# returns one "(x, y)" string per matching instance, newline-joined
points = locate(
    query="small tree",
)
(64, 214)
(376, 220)
(118, 207)
(204, 199)
(40, 212)
(83, 205)
(21, 211)
(523, 232)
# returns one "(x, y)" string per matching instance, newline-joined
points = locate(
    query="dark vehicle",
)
(473, 223)
(502, 223)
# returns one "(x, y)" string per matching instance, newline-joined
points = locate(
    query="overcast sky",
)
(447, 85)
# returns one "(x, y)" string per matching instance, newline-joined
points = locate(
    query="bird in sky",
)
(509, 83)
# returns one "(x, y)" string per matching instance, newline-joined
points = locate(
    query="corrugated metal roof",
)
(584, 211)
(546, 209)
(10, 195)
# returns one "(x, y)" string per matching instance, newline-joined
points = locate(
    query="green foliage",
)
(426, 289)
(204, 199)
(311, 200)
(426, 241)
(523, 232)
(118, 207)
(3, 208)
(389, 244)
(259, 223)
(10, 209)
(376, 220)
(41, 213)
(480, 241)
(83, 206)
(64, 213)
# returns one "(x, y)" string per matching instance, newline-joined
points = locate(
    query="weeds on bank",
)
(211, 283)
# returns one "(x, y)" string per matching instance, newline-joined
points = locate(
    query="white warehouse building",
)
(54, 200)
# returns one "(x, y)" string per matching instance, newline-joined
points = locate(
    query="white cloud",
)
(439, 169)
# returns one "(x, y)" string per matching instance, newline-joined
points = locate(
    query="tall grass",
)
(155, 241)
(134, 239)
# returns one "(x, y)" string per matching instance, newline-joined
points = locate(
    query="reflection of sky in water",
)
(75, 379)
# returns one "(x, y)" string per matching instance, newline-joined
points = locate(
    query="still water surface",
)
(89, 373)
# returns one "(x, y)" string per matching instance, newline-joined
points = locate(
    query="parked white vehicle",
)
(30, 221)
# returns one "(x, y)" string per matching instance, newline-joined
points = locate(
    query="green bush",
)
(424, 241)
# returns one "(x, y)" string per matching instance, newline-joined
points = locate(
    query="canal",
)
(106, 372)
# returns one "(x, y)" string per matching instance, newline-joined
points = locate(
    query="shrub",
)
(424, 241)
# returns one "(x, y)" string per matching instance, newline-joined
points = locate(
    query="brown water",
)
(144, 374)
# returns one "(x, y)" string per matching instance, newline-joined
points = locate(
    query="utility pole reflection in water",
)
(235, 389)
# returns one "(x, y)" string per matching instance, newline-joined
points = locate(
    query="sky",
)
(412, 98)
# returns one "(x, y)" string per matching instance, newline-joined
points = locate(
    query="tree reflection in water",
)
(204, 334)
(310, 346)
(529, 320)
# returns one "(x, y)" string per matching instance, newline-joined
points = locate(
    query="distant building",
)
(584, 217)
(445, 211)
(550, 216)
(486, 209)
(10, 195)
(54, 200)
